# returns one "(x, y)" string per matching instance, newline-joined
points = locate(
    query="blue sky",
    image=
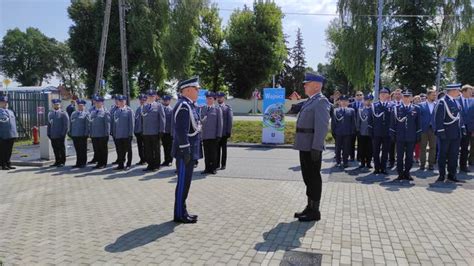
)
(50, 16)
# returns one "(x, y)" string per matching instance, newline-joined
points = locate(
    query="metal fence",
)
(30, 108)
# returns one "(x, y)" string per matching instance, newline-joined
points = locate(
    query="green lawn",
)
(251, 132)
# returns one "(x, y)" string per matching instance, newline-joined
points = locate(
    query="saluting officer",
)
(211, 117)
(58, 124)
(167, 138)
(449, 129)
(139, 129)
(153, 126)
(405, 131)
(343, 125)
(364, 144)
(227, 120)
(379, 127)
(123, 132)
(8, 133)
(99, 128)
(79, 131)
(186, 145)
(311, 129)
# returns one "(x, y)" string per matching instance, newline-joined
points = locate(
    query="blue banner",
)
(273, 116)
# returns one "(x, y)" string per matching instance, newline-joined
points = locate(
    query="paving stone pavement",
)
(65, 216)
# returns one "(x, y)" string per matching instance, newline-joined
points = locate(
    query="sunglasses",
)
(359, 95)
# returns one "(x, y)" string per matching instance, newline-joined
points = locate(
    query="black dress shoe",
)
(165, 164)
(361, 166)
(310, 216)
(222, 168)
(75, 166)
(5, 168)
(205, 172)
(121, 167)
(408, 177)
(441, 178)
(430, 167)
(192, 216)
(11, 167)
(305, 210)
(149, 169)
(91, 162)
(185, 220)
(213, 172)
(345, 165)
(464, 169)
(54, 165)
(453, 179)
(369, 166)
(60, 165)
(127, 167)
(115, 163)
(383, 172)
(140, 163)
(376, 172)
(99, 166)
(422, 168)
(399, 178)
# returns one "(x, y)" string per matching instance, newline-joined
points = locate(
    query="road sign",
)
(449, 59)
(7, 82)
(40, 110)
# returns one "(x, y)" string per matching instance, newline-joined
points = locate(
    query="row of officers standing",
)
(441, 123)
(152, 125)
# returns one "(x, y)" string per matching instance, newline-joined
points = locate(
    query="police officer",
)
(91, 109)
(211, 118)
(167, 138)
(8, 133)
(153, 126)
(139, 129)
(186, 145)
(71, 108)
(357, 104)
(123, 132)
(379, 127)
(449, 129)
(467, 104)
(79, 131)
(227, 120)
(364, 141)
(405, 131)
(311, 129)
(112, 110)
(343, 124)
(99, 128)
(58, 124)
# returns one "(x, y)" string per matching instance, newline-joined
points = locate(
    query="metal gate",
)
(30, 109)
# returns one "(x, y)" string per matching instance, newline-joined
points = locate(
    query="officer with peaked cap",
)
(58, 126)
(99, 128)
(167, 138)
(123, 132)
(211, 117)
(405, 131)
(379, 128)
(153, 126)
(227, 120)
(8, 133)
(79, 131)
(186, 145)
(139, 129)
(311, 129)
(449, 130)
(112, 110)
(365, 141)
(343, 125)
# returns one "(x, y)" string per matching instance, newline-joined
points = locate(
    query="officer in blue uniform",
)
(123, 132)
(357, 104)
(99, 128)
(153, 126)
(167, 138)
(8, 133)
(186, 145)
(139, 129)
(343, 125)
(467, 104)
(379, 127)
(364, 140)
(405, 131)
(79, 131)
(449, 129)
(112, 110)
(58, 126)
(71, 108)
(227, 120)
(211, 118)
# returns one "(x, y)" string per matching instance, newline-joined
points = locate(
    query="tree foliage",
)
(465, 64)
(67, 70)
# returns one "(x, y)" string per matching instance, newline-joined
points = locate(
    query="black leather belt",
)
(305, 130)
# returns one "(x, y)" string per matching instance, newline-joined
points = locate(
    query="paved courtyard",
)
(65, 216)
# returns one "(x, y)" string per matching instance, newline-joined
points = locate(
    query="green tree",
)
(299, 63)
(256, 47)
(212, 52)
(28, 57)
(67, 70)
(335, 79)
(465, 64)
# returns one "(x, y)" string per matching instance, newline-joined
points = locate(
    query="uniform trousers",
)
(6, 147)
(167, 141)
(343, 144)
(59, 150)
(405, 156)
(464, 156)
(428, 138)
(380, 148)
(448, 152)
(124, 149)
(222, 152)
(311, 171)
(100, 150)
(80, 145)
(210, 154)
(140, 146)
(364, 149)
(185, 175)
(152, 151)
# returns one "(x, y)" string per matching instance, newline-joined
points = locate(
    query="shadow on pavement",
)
(295, 168)
(395, 185)
(159, 175)
(196, 176)
(443, 187)
(141, 236)
(372, 179)
(284, 236)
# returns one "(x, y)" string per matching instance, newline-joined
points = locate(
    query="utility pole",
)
(379, 48)
(103, 46)
(123, 50)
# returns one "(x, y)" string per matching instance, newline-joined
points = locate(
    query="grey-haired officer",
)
(167, 138)
(312, 126)
(153, 126)
(123, 132)
(8, 133)
(227, 121)
(139, 129)
(449, 130)
(405, 131)
(343, 125)
(58, 126)
(99, 128)
(365, 141)
(186, 145)
(211, 119)
(79, 131)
